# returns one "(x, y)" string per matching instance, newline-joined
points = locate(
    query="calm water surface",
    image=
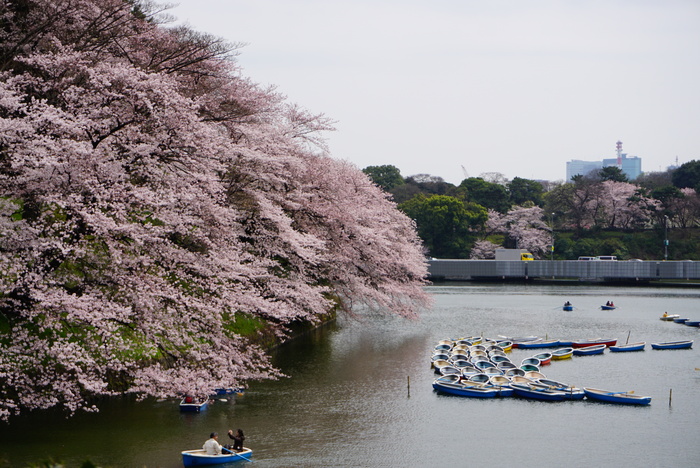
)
(359, 394)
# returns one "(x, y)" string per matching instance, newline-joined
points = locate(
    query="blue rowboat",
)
(607, 307)
(533, 361)
(692, 323)
(466, 390)
(567, 308)
(673, 345)
(537, 393)
(190, 405)
(628, 347)
(623, 398)
(539, 344)
(590, 350)
(201, 458)
(572, 393)
(529, 368)
(680, 320)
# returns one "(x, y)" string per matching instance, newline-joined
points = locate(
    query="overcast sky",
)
(518, 87)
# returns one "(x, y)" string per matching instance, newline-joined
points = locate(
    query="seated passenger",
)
(212, 446)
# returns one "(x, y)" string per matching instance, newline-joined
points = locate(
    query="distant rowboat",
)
(673, 345)
(562, 353)
(626, 398)
(629, 347)
(594, 342)
(590, 350)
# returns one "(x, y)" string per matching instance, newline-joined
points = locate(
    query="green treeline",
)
(656, 216)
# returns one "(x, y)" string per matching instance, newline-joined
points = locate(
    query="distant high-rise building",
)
(630, 166)
(578, 167)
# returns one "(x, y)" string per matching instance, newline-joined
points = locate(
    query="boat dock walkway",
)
(606, 271)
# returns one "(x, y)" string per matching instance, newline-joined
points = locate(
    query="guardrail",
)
(642, 271)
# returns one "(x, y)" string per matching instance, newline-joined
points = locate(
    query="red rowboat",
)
(597, 341)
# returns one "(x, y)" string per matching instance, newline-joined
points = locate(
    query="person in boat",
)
(237, 438)
(607, 303)
(665, 314)
(212, 446)
(612, 304)
(567, 303)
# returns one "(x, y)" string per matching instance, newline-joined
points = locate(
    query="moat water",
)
(359, 394)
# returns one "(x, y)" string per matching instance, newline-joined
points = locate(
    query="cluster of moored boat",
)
(678, 319)
(481, 368)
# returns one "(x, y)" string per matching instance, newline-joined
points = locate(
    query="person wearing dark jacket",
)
(238, 439)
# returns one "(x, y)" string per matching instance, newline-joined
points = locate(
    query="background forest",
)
(601, 213)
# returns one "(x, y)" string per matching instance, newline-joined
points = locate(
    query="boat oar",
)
(236, 453)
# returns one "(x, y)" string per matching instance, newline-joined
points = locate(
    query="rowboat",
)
(505, 345)
(625, 398)
(673, 345)
(479, 378)
(484, 364)
(493, 371)
(510, 373)
(531, 361)
(669, 318)
(629, 347)
(567, 308)
(529, 368)
(692, 323)
(439, 357)
(506, 365)
(594, 342)
(537, 393)
(502, 384)
(437, 364)
(534, 375)
(545, 358)
(466, 390)
(590, 350)
(607, 307)
(497, 358)
(228, 391)
(680, 320)
(450, 370)
(190, 405)
(201, 458)
(461, 363)
(572, 393)
(539, 344)
(562, 353)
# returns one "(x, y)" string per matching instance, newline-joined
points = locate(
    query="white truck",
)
(513, 255)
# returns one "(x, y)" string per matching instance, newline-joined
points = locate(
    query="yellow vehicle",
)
(514, 255)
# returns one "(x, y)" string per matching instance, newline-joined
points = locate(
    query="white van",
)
(606, 258)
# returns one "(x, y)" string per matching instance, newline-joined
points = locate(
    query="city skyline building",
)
(631, 166)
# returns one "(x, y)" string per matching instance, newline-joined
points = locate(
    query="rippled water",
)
(359, 394)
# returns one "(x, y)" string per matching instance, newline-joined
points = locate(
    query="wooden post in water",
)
(408, 385)
(628, 336)
(670, 396)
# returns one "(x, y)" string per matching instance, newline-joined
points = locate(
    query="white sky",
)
(512, 86)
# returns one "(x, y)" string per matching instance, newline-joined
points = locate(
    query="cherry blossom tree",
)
(523, 227)
(152, 199)
(620, 205)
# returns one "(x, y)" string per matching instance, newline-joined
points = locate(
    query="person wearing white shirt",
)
(212, 446)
